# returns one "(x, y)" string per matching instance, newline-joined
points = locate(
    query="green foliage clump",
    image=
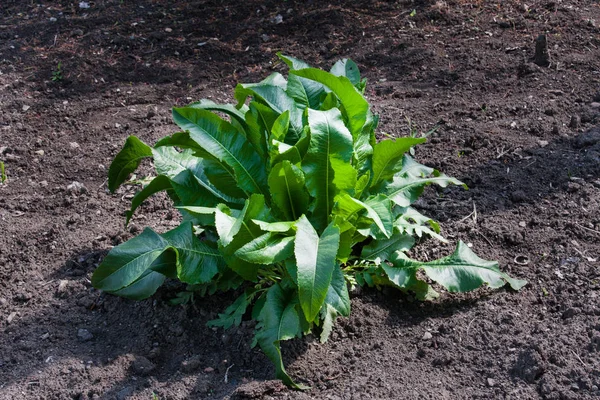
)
(289, 198)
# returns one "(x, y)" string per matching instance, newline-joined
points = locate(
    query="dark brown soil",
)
(525, 138)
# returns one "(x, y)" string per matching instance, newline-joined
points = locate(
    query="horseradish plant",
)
(286, 198)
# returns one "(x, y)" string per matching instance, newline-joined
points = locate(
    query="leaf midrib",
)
(214, 140)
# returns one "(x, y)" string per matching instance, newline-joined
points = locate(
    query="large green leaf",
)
(236, 232)
(327, 165)
(278, 320)
(412, 222)
(376, 208)
(355, 105)
(127, 161)
(174, 253)
(267, 249)
(409, 182)
(347, 68)
(288, 192)
(260, 120)
(387, 157)
(337, 302)
(380, 251)
(142, 288)
(462, 271)
(315, 260)
(197, 261)
(222, 141)
(236, 113)
(210, 171)
(127, 262)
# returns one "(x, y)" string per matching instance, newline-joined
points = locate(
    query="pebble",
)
(142, 366)
(191, 365)
(52, 19)
(44, 183)
(26, 107)
(491, 382)
(543, 143)
(74, 145)
(427, 336)
(595, 105)
(62, 286)
(169, 30)
(76, 187)
(522, 224)
(209, 369)
(40, 152)
(11, 317)
(574, 123)
(570, 312)
(84, 335)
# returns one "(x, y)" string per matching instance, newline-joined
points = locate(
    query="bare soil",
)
(526, 139)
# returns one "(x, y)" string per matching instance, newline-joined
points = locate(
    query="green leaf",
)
(277, 321)
(412, 222)
(234, 313)
(142, 288)
(157, 184)
(280, 127)
(211, 173)
(462, 271)
(267, 249)
(377, 210)
(327, 165)
(293, 63)
(127, 262)
(229, 109)
(379, 251)
(279, 226)
(197, 261)
(221, 140)
(236, 232)
(289, 195)
(337, 294)
(127, 161)
(355, 105)
(409, 182)
(347, 68)
(315, 260)
(260, 120)
(387, 157)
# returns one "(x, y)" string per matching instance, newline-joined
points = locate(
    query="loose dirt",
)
(525, 138)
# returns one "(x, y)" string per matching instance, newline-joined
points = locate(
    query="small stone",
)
(62, 286)
(518, 196)
(570, 312)
(74, 145)
(84, 4)
(574, 387)
(513, 124)
(44, 183)
(168, 30)
(26, 107)
(84, 335)
(76, 187)
(19, 126)
(208, 369)
(575, 121)
(491, 382)
(11, 317)
(40, 152)
(542, 56)
(117, 125)
(522, 224)
(52, 19)
(595, 105)
(191, 365)
(543, 143)
(265, 37)
(142, 366)
(427, 336)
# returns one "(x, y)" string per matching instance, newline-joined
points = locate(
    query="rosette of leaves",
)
(287, 197)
